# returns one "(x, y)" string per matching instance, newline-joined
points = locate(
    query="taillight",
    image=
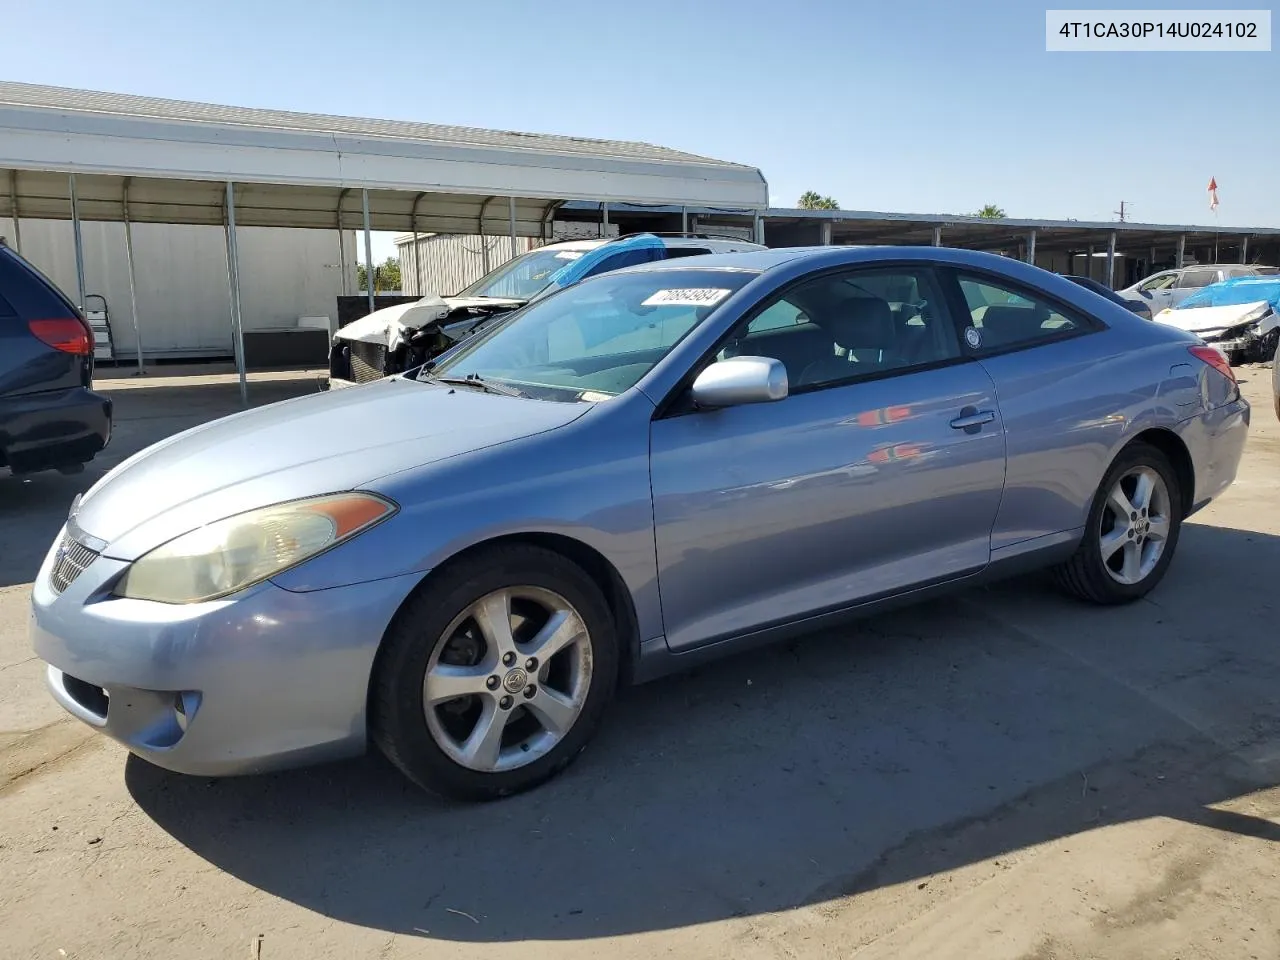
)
(68, 334)
(1214, 358)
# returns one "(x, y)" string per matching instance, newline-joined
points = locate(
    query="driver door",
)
(881, 471)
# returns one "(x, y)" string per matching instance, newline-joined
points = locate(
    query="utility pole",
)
(1122, 212)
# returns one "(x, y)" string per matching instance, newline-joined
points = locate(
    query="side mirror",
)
(738, 380)
(1145, 293)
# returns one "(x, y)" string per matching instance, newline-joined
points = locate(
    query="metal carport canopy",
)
(296, 169)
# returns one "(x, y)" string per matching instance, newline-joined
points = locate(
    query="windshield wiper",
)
(475, 380)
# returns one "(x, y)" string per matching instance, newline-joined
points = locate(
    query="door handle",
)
(971, 422)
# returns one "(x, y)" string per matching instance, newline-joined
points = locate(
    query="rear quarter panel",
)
(1070, 407)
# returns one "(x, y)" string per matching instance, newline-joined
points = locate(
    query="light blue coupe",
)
(648, 469)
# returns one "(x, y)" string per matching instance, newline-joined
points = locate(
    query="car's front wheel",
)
(494, 677)
(1131, 532)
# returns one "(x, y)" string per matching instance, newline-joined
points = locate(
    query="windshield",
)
(597, 338)
(523, 277)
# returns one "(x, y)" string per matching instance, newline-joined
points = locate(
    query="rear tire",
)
(1132, 530)
(494, 677)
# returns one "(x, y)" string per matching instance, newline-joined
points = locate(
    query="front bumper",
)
(266, 679)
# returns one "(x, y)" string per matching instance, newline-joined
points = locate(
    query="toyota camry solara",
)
(651, 468)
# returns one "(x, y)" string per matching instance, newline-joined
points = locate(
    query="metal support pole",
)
(1088, 265)
(826, 233)
(937, 236)
(511, 218)
(1244, 250)
(684, 217)
(75, 230)
(417, 267)
(342, 244)
(759, 229)
(13, 210)
(133, 286)
(1151, 262)
(233, 283)
(368, 247)
(1031, 247)
(1111, 260)
(1182, 250)
(604, 219)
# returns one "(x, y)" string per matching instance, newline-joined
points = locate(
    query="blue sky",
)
(905, 106)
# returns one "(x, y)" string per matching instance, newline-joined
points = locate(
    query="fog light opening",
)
(185, 705)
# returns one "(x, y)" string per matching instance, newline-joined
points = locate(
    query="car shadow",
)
(907, 745)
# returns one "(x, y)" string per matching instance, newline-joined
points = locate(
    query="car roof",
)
(693, 240)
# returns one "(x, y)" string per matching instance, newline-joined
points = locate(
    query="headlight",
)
(231, 554)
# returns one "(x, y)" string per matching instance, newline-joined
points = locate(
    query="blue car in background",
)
(645, 470)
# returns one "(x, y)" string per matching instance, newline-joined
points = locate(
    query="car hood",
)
(324, 442)
(1202, 319)
(387, 326)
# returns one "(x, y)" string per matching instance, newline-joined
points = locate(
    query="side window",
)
(848, 326)
(674, 252)
(1003, 317)
(625, 258)
(783, 313)
(1195, 278)
(1239, 272)
(1158, 282)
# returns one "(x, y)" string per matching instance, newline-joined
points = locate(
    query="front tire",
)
(493, 678)
(1132, 530)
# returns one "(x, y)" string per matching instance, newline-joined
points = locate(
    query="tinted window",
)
(1005, 317)
(1197, 278)
(849, 326)
(625, 258)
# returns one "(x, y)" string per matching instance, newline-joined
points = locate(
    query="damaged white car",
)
(399, 338)
(1240, 317)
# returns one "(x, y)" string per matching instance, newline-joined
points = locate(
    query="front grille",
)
(368, 361)
(69, 562)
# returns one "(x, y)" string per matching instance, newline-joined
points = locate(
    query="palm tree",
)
(812, 200)
(991, 212)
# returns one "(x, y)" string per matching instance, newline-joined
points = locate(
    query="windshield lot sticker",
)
(689, 297)
(569, 255)
(973, 337)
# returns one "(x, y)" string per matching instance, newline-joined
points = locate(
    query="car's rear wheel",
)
(1132, 530)
(494, 677)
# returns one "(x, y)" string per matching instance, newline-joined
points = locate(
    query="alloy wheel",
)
(507, 679)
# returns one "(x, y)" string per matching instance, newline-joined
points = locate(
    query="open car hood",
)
(1205, 319)
(388, 325)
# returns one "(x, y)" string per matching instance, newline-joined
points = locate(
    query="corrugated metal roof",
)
(129, 105)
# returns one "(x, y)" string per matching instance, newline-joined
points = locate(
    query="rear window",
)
(28, 292)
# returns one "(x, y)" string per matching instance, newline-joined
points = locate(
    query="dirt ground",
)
(1000, 774)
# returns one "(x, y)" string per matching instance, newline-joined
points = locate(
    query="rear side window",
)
(1197, 278)
(28, 292)
(673, 252)
(1004, 317)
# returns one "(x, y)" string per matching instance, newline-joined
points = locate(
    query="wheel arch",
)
(1171, 445)
(605, 575)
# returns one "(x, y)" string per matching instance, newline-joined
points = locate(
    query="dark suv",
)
(49, 418)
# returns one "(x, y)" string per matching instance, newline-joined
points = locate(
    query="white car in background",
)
(1168, 288)
(1240, 317)
(399, 338)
